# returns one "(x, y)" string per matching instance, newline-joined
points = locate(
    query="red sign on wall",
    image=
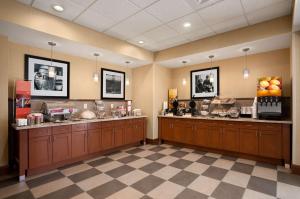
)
(23, 97)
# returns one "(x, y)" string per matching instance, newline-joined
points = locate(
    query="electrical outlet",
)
(85, 106)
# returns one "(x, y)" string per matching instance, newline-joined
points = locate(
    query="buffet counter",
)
(262, 140)
(46, 146)
(70, 122)
(240, 119)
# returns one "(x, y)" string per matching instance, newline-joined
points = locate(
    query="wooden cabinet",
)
(107, 135)
(167, 130)
(118, 136)
(40, 151)
(249, 141)
(94, 140)
(215, 137)
(128, 134)
(184, 131)
(270, 143)
(133, 131)
(138, 130)
(201, 134)
(79, 143)
(230, 139)
(62, 147)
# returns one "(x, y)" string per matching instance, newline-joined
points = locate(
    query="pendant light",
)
(246, 71)
(184, 80)
(127, 82)
(96, 74)
(51, 69)
(211, 76)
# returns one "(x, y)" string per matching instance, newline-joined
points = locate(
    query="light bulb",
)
(211, 77)
(246, 73)
(183, 81)
(95, 77)
(51, 72)
(127, 82)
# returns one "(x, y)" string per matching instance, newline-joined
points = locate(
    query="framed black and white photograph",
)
(205, 83)
(49, 78)
(112, 84)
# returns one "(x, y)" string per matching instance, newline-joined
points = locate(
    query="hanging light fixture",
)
(211, 76)
(184, 80)
(51, 69)
(96, 74)
(127, 82)
(246, 71)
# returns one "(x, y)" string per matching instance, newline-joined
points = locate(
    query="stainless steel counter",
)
(50, 124)
(230, 119)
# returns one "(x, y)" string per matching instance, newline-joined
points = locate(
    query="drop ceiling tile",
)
(194, 19)
(27, 2)
(147, 41)
(253, 5)
(143, 3)
(270, 12)
(161, 33)
(199, 34)
(72, 7)
(197, 5)
(167, 10)
(115, 10)
(221, 11)
(235, 23)
(135, 25)
(94, 20)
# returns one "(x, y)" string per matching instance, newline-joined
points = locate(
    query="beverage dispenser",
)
(269, 100)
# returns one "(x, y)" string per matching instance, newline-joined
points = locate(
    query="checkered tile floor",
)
(163, 171)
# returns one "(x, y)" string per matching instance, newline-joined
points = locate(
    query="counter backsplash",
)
(79, 104)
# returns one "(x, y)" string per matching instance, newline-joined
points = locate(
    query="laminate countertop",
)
(240, 119)
(70, 122)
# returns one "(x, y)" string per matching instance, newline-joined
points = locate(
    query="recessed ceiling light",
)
(141, 42)
(187, 24)
(58, 8)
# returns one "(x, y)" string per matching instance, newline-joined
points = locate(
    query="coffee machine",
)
(269, 107)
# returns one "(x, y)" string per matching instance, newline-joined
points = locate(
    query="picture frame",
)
(112, 84)
(201, 85)
(42, 85)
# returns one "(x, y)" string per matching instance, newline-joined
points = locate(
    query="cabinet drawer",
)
(107, 124)
(79, 127)
(138, 120)
(61, 129)
(119, 123)
(270, 127)
(215, 123)
(94, 125)
(231, 125)
(38, 132)
(249, 125)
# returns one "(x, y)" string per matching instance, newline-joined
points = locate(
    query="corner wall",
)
(295, 67)
(3, 100)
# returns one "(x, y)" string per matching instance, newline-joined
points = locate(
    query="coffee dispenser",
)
(269, 107)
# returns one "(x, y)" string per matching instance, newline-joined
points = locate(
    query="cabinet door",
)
(185, 131)
(94, 140)
(270, 143)
(249, 141)
(62, 147)
(230, 139)
(119, 136)
(107, 134)
(40, 151)
(167, 131)
(215, 137)
(79, 143)
(201, 134)
(138, 131)
(129, 132)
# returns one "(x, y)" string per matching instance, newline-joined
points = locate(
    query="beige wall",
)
(162, 82)
(232, 83)
(296, 96)
(142, 87)
(82, 85)
(3, 100)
